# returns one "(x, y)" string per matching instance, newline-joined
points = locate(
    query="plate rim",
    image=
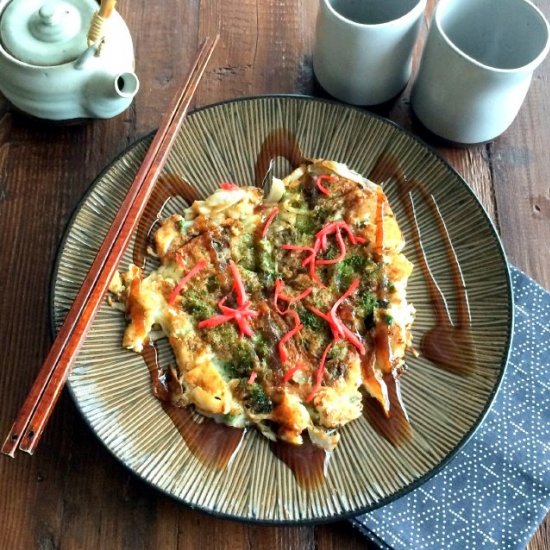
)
(415, 484)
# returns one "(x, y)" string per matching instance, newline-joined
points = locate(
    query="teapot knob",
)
(55, 22)
(49, 14)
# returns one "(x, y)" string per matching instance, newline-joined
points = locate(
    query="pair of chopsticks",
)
(38, 406)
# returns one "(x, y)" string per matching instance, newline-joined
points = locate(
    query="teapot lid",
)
(46, 32)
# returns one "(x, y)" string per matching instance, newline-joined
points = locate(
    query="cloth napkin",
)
(496, 491)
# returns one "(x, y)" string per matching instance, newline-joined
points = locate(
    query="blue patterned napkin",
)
(496, 491)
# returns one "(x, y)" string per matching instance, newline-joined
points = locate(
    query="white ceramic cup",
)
(477, 66)
(363, 48)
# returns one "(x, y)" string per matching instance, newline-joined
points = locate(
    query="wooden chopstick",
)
(36, 410)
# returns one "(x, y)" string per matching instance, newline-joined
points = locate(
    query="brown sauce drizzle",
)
(212, 443)
(214, 245)
(448, 344)
(167, 187)
(382, 345)
(308, 462)
(279, 143)
(394, 426)
(136, 311)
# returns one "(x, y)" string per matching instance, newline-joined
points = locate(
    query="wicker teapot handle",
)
(96, 33)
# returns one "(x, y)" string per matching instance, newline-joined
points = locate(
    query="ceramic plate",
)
(221, 142)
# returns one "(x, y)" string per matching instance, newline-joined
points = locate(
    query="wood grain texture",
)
(521, 183)
(72, 494)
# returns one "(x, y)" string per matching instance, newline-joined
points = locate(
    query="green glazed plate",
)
(221, 142)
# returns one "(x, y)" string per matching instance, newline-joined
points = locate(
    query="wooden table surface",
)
(73, 494)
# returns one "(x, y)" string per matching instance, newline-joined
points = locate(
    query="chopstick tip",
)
(10, 453)
(10, 445)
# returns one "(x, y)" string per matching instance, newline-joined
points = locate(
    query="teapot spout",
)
(126, 84)
(107, 95)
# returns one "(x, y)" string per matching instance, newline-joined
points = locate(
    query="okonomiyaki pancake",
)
(282, 311)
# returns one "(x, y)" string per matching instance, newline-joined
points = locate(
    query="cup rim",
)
(419, 6)
(532, 65)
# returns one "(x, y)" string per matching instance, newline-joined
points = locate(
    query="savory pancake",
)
(279, 310)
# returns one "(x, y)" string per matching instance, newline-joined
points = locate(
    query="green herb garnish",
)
(195, 304)
(257, 400)
(310, 320)
(351, 267)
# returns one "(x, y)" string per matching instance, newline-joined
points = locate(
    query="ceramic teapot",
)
(66, 59)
